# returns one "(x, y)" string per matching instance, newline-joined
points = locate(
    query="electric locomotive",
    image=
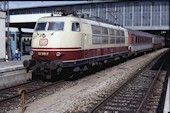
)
(65, 42)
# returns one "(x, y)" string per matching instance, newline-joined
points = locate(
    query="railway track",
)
(10, 99)
(12, 92)
(132, 96)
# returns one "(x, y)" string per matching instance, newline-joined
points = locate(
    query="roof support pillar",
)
(19, 44)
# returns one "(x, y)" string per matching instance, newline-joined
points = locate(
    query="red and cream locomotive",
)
(66, 41)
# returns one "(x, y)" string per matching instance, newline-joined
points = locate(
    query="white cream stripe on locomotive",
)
(56, 49)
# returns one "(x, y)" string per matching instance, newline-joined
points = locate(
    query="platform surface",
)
(13, 65)
(167, 99)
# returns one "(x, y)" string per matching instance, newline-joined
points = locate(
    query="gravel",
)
(80, 96)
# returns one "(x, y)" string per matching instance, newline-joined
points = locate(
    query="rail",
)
(11, 93)
(95, 108)
(151, 87)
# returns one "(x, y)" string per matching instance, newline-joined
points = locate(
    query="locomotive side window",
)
(56, 26)
(122, 40)
(96, 39)
(112, 40)
(105, 39)
(117, 32)
(120, 37)
(117, 40)
(104, 31)
(40, 26)
(112, 36)
(111, 31)
(122, 33)
(75, 27)
(95, 29)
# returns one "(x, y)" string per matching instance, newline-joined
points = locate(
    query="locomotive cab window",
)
(75, 27)
(56, 26)
(40, 26)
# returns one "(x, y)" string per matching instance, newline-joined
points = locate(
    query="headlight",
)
(31, 52)
(43, 35)
(58, 54)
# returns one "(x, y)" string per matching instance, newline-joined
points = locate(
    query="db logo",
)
(43, 42)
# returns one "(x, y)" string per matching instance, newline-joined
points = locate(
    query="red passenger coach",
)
(139, 41)
(157, 42)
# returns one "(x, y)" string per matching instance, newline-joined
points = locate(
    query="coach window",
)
(76, 27)
(144, 39)
(133, 39)
(136, 39)
(139, 39)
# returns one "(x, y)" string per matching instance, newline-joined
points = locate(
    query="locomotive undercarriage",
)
(48, 70)
(53, 69)
(44, 69)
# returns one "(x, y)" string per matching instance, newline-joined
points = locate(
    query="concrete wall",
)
(14, 75)
(2, 35)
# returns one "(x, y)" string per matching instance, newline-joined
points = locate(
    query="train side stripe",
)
(52, 49)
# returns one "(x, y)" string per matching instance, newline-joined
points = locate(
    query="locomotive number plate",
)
(43, 53)
(43, 42)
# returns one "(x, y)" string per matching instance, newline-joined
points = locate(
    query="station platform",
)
(167, 98)
(13, 72)
(14, 64)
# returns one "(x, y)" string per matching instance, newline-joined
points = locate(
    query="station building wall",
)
(138, 15)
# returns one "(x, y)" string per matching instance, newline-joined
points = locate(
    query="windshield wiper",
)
(36, 35)
(52, 33)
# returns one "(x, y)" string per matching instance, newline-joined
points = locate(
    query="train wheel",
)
(92, 70)
(67, 77)
(36, 76)
(65, 74)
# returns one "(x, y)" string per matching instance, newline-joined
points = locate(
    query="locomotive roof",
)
(102, 24)
(84, 20)
(97, 23)
(61, 18)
